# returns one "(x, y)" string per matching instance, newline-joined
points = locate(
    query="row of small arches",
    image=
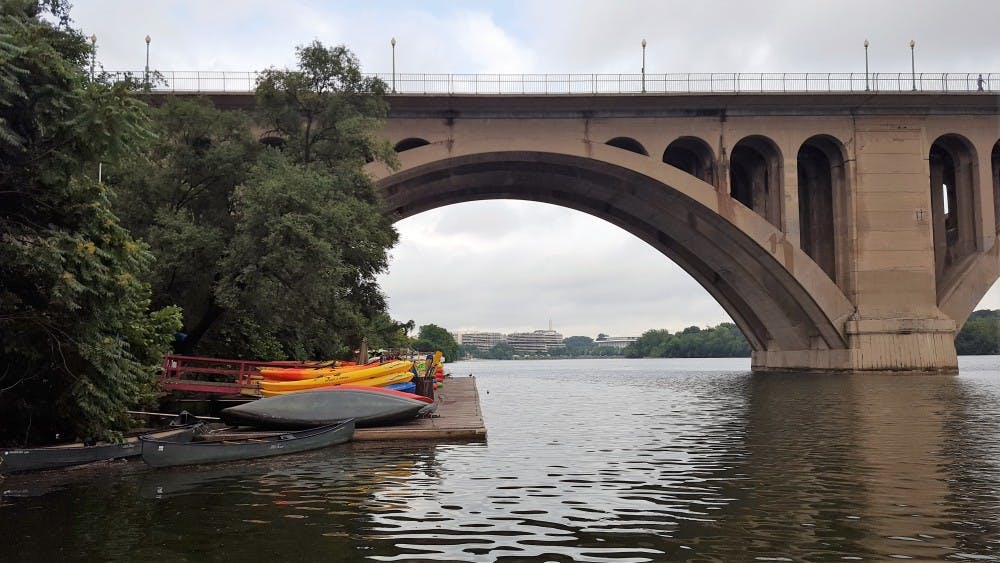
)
(755, 178)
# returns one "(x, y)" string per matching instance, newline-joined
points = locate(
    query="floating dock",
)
(458, 417)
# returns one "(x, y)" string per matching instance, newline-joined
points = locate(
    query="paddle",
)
(432, 365)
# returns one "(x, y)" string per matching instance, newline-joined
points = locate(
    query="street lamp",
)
(93, 54)
(146, 75)
(643, 66)
(393, 43)
(866, 64)
(913, 66)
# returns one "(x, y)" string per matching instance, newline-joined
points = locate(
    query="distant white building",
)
(537, 342)
(617, 342)
(481, 340)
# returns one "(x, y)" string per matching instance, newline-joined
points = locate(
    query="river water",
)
(587, 460)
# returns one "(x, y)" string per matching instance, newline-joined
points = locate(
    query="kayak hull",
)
(330, 405)
(13, 460)
(183, 450)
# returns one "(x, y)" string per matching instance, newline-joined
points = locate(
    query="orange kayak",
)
(296, 374)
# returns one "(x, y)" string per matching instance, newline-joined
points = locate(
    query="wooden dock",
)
(458, 417)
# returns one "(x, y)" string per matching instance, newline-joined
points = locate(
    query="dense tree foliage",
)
(176, 194)
(578, 345)
(78, 344)
(432, 338)
(272, 254)
(326, 110)
(501, 351)
(980, 335)
(722, 341)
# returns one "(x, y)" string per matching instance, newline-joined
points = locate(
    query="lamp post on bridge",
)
(393, 43)
(146, 74)
(913, 65)
(866, 65)
(643, 66)
(93, 54)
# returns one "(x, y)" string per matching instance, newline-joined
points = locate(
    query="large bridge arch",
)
(786, 305)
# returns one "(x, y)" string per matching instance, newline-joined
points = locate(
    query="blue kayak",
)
(407, 387)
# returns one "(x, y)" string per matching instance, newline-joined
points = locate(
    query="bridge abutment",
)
(897, 346)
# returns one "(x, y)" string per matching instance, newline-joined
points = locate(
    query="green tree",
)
(78, 345)
(274, 254)
(980, 335)
(432, 338)
(577, 346)
(176, 195)
(501, 351)
(299, 273)
(722, 341)
(326, 110)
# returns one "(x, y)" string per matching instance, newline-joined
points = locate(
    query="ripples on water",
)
(597, 460)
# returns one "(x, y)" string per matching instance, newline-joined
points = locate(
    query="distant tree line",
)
(722, 341)
(980, 335)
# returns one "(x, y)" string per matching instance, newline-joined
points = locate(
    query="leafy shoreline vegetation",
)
(197, 238)
(980, 336)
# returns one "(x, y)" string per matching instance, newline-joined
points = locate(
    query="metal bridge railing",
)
(525, 84)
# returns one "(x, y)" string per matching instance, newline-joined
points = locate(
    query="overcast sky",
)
(504, 265)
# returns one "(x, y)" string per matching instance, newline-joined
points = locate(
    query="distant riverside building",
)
(617, 342)
(481, 340)
(537, 342)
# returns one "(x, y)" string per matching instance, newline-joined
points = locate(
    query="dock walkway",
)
(458, 417)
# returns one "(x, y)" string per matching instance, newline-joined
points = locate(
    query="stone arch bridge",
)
(841, 232)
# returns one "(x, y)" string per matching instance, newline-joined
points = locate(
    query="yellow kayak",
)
(352, 377)
(300, 373)
(381, 381)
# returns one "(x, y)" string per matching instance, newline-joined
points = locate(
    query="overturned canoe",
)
(368, 406)
(13, 460)
(182, 449)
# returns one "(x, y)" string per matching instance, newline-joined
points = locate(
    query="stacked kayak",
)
(371, 376)
(368, 406)
(306, 372)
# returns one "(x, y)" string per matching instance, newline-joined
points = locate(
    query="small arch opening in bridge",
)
(952, 163)
(410, 143)
(693, 156)
(755, 177)
(272, 142)
(995, 159)
(628, 144)
(822, 188)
